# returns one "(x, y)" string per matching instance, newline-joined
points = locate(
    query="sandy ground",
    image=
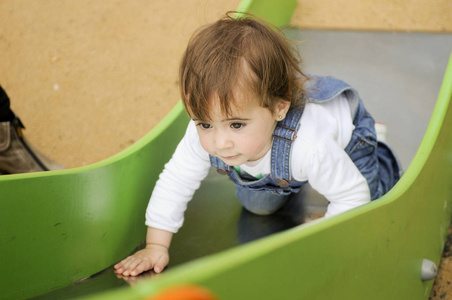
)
(90, 78)
(402, 15)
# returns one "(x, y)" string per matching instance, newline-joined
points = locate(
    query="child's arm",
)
(154, 256)
(176, 185)
(333, 174)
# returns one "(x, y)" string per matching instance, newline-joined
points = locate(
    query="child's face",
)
(244, 136)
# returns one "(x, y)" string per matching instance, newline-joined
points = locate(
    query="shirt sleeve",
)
(332, 173)
(178, 182)
(319, 157)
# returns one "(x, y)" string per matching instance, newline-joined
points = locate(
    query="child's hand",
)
(152, 257)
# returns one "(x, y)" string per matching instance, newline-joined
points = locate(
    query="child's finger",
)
(140, 268)
(119, 265)
(125, 263)
(160, 264)
(129, 264)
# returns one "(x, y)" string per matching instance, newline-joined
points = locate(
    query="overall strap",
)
(221, 167)
(322, 89)
(283, 137)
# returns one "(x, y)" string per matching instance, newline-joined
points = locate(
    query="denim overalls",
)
(374, 159)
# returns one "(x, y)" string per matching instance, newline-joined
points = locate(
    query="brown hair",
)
(239, 54)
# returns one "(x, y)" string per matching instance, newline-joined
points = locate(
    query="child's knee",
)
(260, 202)
(260, 210)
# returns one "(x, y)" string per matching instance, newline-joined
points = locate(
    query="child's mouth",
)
(230, 157)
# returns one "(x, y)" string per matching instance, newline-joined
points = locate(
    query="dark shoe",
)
(17, 155)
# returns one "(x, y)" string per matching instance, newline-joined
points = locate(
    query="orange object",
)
(185, 292)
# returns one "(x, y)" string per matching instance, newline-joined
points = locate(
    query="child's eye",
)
(204, 125)
(237, 125)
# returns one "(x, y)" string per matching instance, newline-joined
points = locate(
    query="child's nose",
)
(223, 141)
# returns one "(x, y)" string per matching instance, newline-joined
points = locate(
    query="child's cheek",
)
(205, 143)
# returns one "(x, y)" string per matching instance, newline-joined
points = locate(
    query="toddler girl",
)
(259, 119)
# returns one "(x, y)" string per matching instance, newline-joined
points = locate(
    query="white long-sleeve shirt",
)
(317, 156)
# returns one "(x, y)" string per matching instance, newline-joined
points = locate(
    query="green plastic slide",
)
(61, 226)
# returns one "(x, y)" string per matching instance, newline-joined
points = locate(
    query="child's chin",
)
(235, 161)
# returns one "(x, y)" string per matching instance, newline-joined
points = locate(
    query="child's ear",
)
(281, 109)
